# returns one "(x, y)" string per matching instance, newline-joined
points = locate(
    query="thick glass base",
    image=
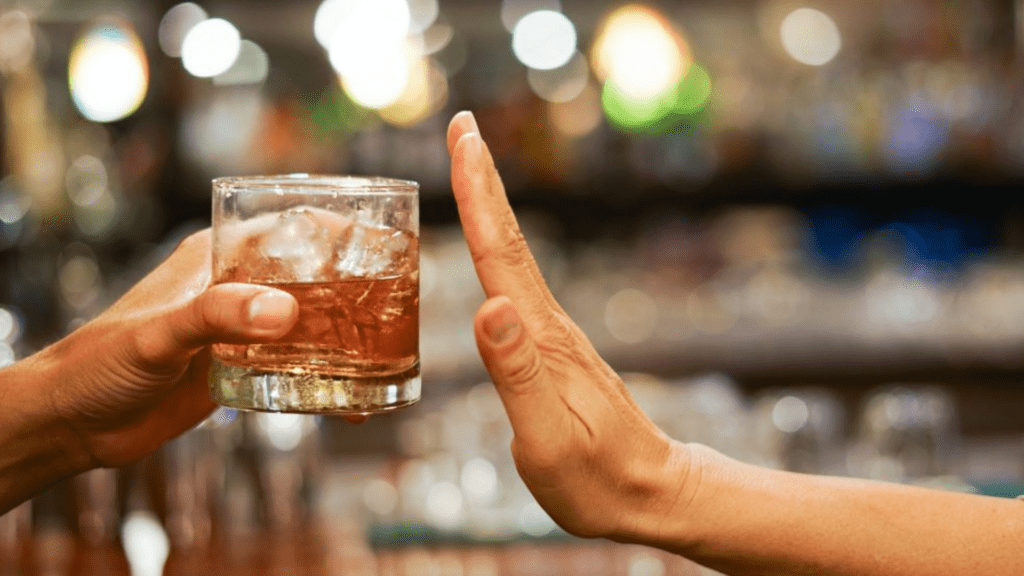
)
(306, 392)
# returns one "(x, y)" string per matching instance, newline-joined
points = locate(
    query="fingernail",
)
(502, 325)
(471, 126)
(271, 309)
(474, 146)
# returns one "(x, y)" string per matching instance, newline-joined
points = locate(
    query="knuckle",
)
(153, 352)
(560, 330)
(212, 315)
(508, 249)
(147, 348)
(559, 337)
(514, 242)
(495, 256)
(186, 326)
(524, 370)
(205, 313)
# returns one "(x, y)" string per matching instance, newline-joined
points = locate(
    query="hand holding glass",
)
(347, 248)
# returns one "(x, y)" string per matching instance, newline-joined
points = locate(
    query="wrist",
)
(50, 397)
(671, 520)
(658, 495)
(37, 445)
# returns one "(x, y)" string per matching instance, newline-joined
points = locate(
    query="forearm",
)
(36, 450)
(741, 519)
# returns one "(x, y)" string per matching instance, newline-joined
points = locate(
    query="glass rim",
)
(333, 183)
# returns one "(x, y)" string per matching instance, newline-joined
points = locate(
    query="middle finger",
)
(502, 258)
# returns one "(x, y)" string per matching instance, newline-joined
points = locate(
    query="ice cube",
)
(375, 251)
(297, 247)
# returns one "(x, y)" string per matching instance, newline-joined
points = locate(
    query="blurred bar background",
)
(794, 226)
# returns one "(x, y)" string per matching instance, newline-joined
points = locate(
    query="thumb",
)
(230, 313)
(515, 364)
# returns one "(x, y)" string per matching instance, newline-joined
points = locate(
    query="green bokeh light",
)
(680, 104)
(694, 91)
(635, 114)
(331, 113)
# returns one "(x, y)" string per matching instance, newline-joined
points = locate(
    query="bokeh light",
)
(251, 66)
(635, 113)
(14, 206)
(380, 497)
(176, 24)
(10, 326)
(650, 79)
(512, 11)
(368, 47)
(380, 75)
(284, 431)
(640, 52)
(326, 20)
(915, 140)
(790, 414)
(437, 37)
(544, 40)
(79, 279)
(454, 55)
(97, 218)
(694, 91)
(424, 95)
(86, 180)
(146, 545)
(479, 480)
(210, 48)
(646, 564)
(7, 356)
(218, 134)
(893, 300)
(631, 316)
(422, 14)
(444, 505)
(810, 36)
(579, 116)
(108, 73)
(561, 84)
(352, 21)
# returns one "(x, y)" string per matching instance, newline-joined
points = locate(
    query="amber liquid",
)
(355, 327)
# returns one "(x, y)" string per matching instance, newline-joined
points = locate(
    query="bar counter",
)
(339, 550)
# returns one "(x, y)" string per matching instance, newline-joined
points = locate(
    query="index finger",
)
(502, 258)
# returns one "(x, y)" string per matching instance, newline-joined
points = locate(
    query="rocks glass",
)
(347, 248)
